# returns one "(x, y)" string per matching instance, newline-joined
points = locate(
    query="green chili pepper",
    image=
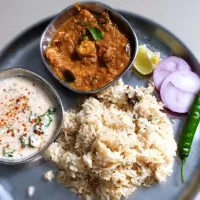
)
(188, 133)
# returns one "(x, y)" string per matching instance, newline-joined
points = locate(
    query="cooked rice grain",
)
(120, 139)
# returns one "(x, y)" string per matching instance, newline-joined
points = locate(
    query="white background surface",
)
(182, 17)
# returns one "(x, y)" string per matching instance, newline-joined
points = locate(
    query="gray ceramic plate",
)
(24, 52)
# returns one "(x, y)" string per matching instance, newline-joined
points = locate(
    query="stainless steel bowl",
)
(96, 7)
(47, 88)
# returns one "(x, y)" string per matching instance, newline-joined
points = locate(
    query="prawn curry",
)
(88, 51)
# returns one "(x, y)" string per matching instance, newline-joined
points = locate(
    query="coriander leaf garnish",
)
(8, 127)
(24, 140)
(43, 121)
(84, 23)
(8, 153)
(51, 111)
(96, 33)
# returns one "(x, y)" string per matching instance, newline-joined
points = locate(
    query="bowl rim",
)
(113, 81)
(60, 123)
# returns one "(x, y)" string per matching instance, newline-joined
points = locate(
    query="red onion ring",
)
(179, 89)
(166, 67)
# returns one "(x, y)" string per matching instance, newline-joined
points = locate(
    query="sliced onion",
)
(176, 100)
(186, 80)
(166, 67)
(179, 90)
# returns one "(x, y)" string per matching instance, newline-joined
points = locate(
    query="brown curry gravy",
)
(94, 63)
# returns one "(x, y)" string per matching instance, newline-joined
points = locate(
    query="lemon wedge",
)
(146, 60)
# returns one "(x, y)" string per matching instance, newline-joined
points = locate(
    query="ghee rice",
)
(116, 141)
